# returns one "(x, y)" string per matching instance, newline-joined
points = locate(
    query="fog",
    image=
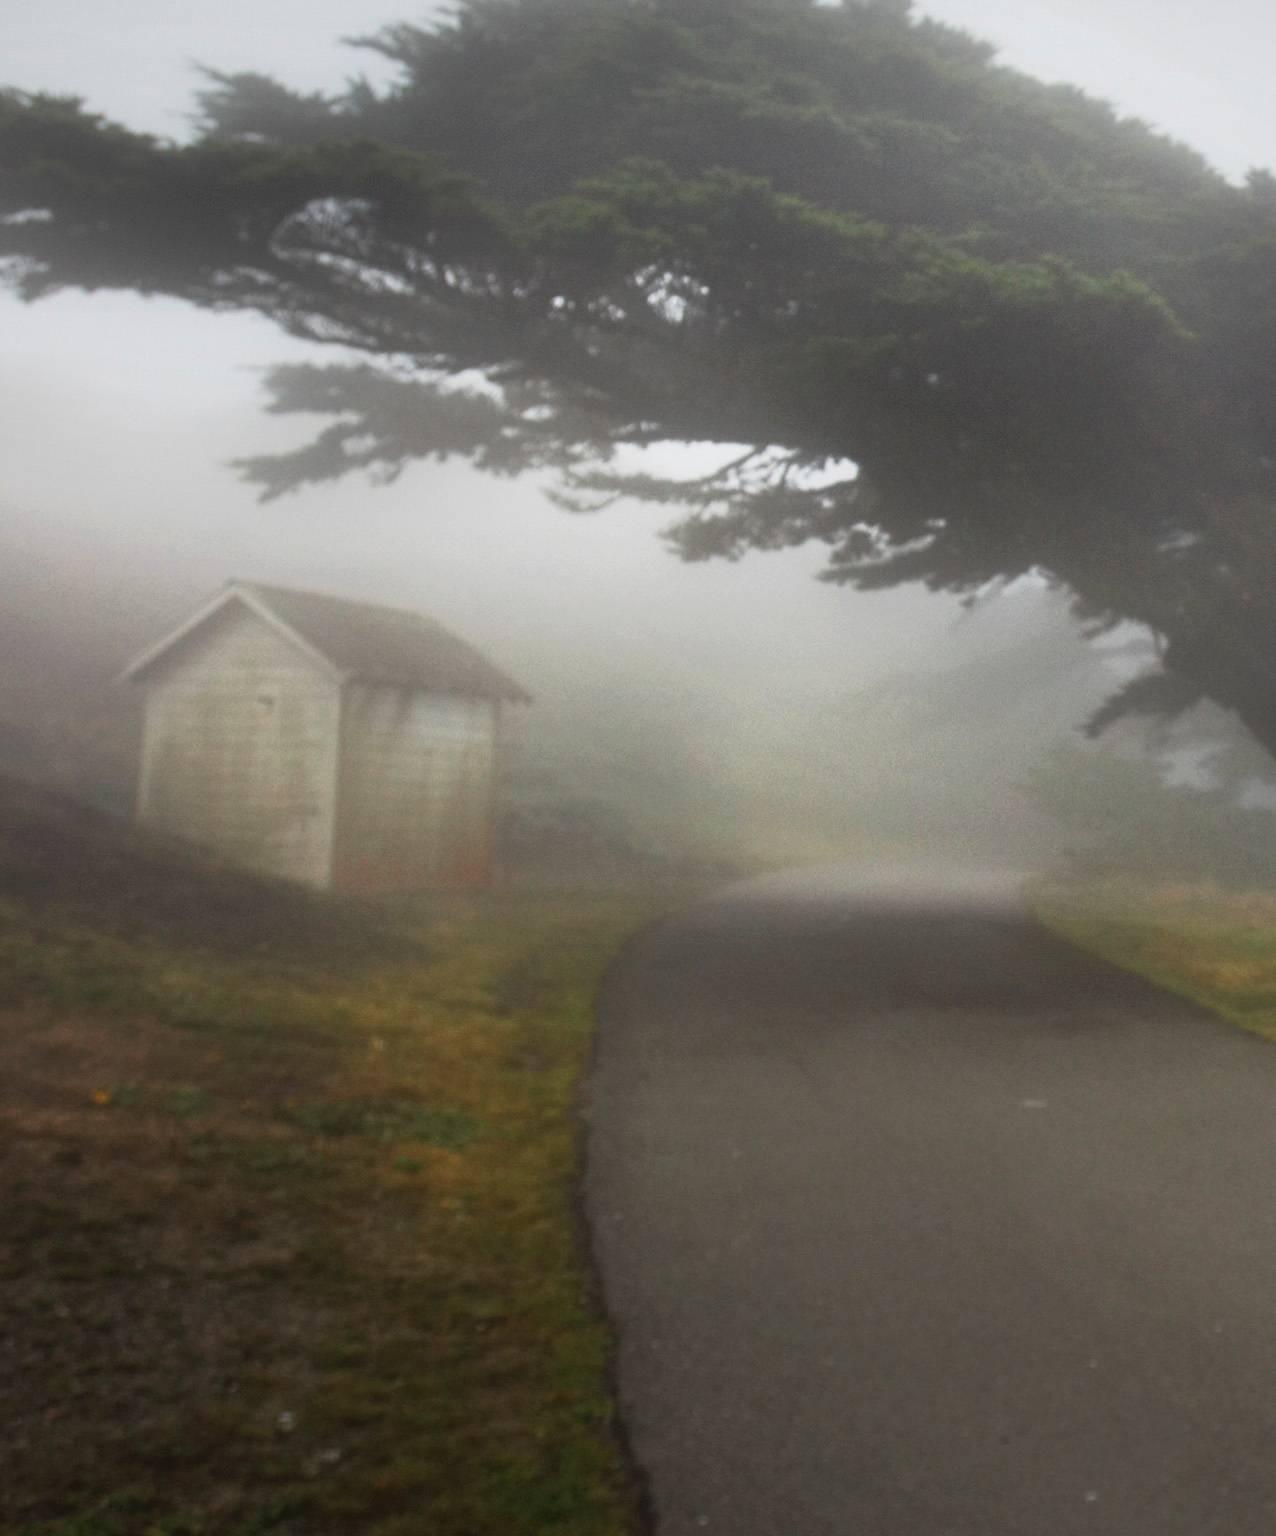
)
(782, 1074)
(740, 711)
(711, 705)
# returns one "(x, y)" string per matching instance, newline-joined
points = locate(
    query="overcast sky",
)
(1199, 72)
(117, 415)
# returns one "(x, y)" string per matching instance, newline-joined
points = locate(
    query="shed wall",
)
(415, 789)
(240, 749)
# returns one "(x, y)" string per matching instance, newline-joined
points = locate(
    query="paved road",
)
(915, 1222)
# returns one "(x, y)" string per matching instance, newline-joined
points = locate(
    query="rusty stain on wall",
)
(414, 787)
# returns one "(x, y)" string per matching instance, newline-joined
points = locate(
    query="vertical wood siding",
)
(240, 749)
(415, 790)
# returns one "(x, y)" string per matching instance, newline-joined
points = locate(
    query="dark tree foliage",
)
(955, 324)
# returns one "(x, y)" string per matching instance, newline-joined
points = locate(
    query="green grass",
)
(287, 1234)
(1215, 947)
(387, 1120)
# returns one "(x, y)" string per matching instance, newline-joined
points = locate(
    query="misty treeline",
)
(956, 325)
(974, 759)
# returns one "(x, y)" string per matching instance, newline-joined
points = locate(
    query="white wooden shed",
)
(348, 746)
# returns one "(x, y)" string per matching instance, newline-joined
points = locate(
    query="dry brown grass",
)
(287, 1241)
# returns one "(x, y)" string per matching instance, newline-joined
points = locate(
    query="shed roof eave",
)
(234, 592)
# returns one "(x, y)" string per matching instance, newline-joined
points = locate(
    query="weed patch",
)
(389, 1120)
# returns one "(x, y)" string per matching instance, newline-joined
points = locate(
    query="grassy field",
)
(1212, 946)
(287, 1229)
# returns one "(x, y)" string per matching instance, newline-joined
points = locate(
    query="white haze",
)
(118, 416)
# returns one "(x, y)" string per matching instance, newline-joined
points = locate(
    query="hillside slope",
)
(94, 868)
(287, 1228)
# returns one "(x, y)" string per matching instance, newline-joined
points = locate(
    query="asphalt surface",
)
(914, 1221)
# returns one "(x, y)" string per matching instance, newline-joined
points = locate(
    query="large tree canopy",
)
(955, 324)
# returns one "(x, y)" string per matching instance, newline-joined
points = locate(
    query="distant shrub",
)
(1125, 820)
(572, 835)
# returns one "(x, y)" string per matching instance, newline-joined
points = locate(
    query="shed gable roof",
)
(357, 641)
